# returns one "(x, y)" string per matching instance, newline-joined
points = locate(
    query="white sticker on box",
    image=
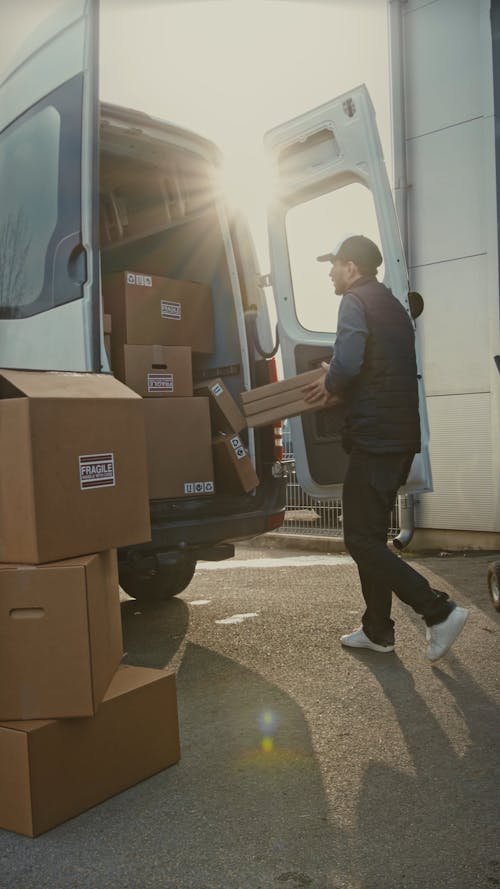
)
(217, 389)
(96, 471)
(199, 487)
(171, 310)
(140, 280)
(160, 382)
(238, 448)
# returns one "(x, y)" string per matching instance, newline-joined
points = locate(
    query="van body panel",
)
(321, 151)
(49, 289)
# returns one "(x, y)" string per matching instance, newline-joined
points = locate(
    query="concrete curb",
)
(309, 542)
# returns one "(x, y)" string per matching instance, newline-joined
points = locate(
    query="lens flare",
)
(267, 745)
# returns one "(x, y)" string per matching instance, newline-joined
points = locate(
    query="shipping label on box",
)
(237, 447)
(234, 470)
(139, 280)
(158, 371)
(60, 636)
(199, 487)
(74, 468)
(160, 382)
(97, 471)
(170, 310)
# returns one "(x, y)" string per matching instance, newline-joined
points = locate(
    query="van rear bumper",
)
(189, 525)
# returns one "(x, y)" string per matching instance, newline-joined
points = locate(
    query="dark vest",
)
(382, 401)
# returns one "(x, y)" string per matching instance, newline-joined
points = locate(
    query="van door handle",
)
(77, 264)
(70, 269)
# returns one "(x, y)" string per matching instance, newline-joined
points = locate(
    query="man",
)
(373, 372)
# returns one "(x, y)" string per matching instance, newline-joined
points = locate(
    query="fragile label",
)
(238, 448)
(217, 389)
(199, 487)
(160, 382)
(96, 471)
(141, 280)
(171, 310)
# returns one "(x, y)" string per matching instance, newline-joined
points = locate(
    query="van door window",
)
(40, 209)
(315, 227)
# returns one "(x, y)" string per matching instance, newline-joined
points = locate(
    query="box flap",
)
(81, 561)
(125, 679)
(60, 384)
(128, 678)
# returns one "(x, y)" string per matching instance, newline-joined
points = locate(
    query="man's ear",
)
(352, 270)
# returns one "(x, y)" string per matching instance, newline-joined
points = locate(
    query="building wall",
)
(453, 253)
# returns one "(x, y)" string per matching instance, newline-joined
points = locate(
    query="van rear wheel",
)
(151, 581)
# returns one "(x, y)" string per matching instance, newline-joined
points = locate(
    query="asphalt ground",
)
(303, 764)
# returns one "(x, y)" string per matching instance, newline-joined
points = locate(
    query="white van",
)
(89, 189)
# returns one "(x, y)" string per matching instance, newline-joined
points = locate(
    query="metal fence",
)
(307, 515)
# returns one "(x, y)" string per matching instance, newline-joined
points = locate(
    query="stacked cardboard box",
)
(150, 310)
(73, 487)
(157, 323)
(234, 470)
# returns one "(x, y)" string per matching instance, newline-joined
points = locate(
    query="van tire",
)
(159, 584)
(494, 584)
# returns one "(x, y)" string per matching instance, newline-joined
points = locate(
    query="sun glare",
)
(247, 179)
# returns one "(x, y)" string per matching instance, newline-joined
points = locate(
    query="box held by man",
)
(268, 404)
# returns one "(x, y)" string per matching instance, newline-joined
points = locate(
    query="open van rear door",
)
(49, 272)
(331, 181)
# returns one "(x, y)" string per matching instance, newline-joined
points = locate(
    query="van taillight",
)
(275, 520)
(272, 370)
(278, 452)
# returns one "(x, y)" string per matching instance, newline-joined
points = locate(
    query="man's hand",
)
(317, 393)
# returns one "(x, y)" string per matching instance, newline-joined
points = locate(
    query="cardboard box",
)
(154, 371)
(60, 636)
(74, 472)
(148, 310)
(234, 471)
(225, 414)
(52, 770)
(275, 401)
(179, 447)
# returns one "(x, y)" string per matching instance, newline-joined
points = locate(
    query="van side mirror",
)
(416, 303)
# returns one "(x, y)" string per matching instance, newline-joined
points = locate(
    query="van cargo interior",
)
(158, 216)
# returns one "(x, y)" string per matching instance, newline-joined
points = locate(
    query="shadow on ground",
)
(401, 817)
(244, 808)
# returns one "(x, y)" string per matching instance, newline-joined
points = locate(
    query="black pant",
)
(370, 489)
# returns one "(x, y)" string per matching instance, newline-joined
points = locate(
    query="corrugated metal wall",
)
(452, 236)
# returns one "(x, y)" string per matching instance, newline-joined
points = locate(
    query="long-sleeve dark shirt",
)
(349, 349)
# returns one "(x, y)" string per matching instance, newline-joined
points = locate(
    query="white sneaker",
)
(359, 639)
(442, 636)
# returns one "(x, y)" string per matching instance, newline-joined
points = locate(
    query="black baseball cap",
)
(358, 249)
